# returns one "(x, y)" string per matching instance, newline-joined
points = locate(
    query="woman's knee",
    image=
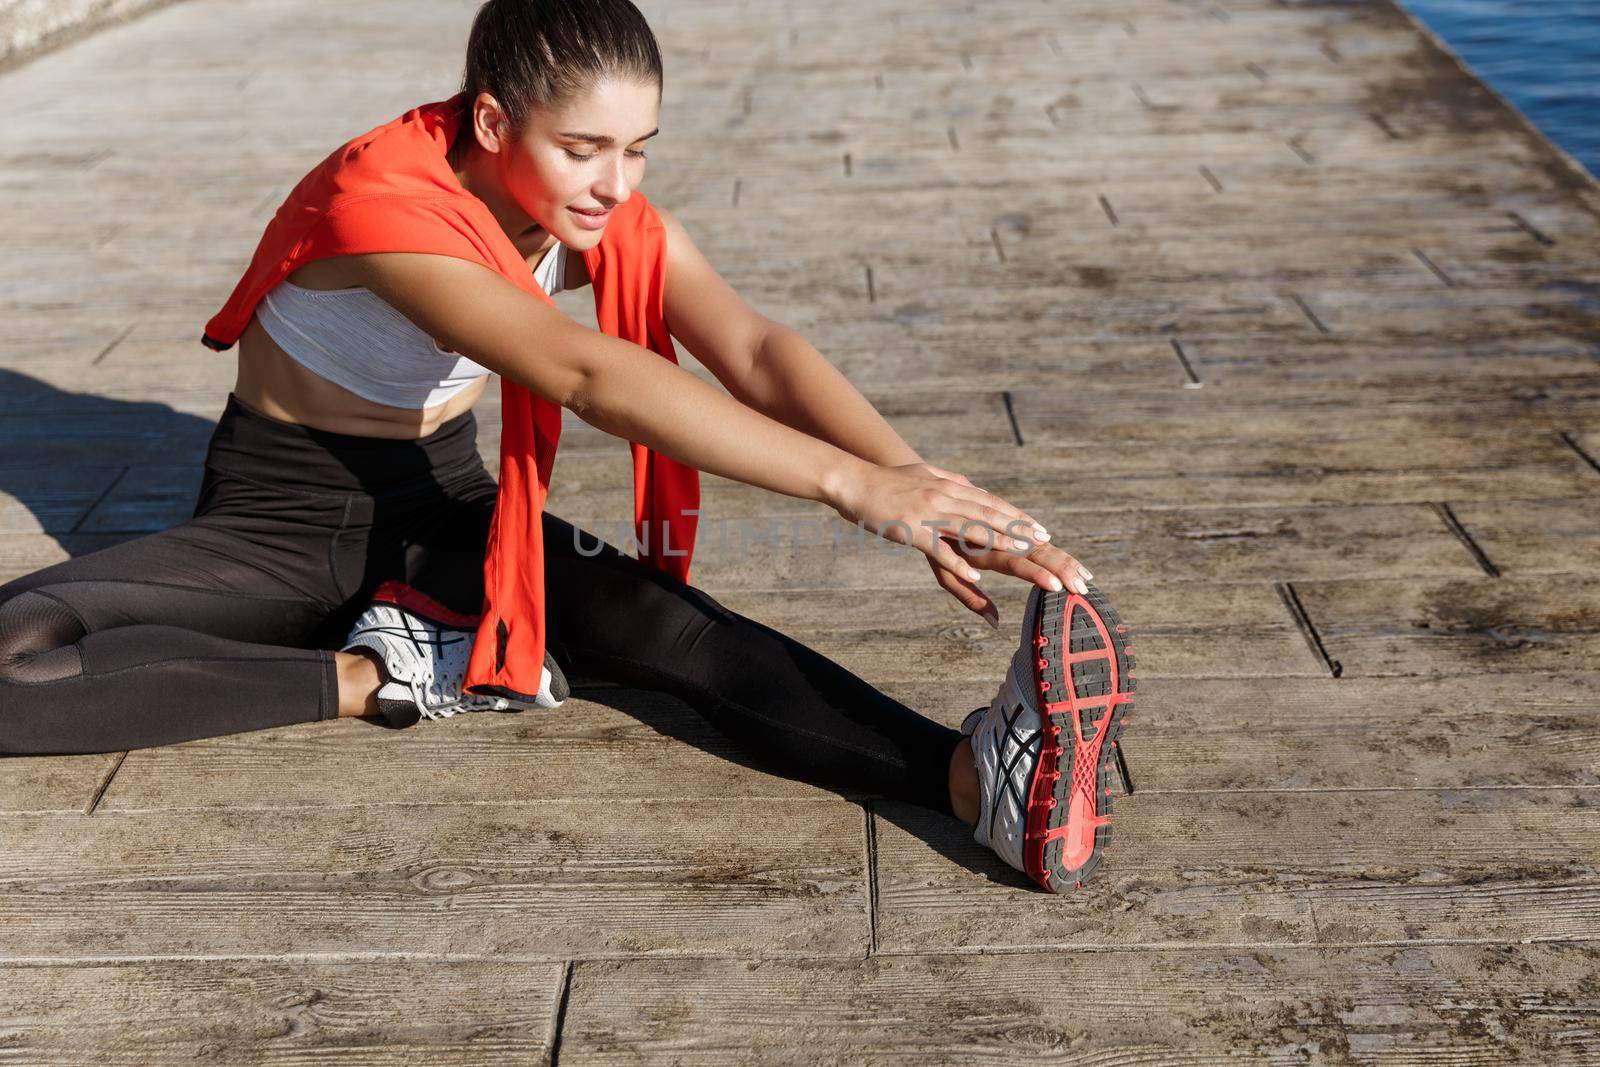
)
(38, 635)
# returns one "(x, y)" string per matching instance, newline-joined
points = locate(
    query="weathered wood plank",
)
(1202, 544)
(1180, 629)
(610, 743)
(457, 1012)
(1457, 1004)
(1048, 480)
(24, 553)
(132, 436)
(528, 879)
(1471, 625)
(1261, 868)
(605, 744)
(51, 498)
(147, 499)
(1257, 402)
(1461, 731)
(1536, 536)
(53, 783)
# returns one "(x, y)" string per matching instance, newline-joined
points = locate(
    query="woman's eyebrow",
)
(602, 139)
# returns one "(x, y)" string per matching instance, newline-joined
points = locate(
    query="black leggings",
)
(229, 621)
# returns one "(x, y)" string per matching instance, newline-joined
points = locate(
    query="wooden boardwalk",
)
(1284, 324)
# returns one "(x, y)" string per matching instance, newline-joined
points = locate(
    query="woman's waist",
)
(259, 447)
(274, 384)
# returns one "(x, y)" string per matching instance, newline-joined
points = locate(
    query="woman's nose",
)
(613, 187)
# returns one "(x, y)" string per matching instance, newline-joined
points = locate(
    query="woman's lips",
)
(589, 222)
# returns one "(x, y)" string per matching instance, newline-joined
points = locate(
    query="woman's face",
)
(574, 163)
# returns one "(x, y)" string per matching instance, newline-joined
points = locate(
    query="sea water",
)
(1542, 55)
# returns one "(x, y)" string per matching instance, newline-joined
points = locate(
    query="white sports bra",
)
(354, 339)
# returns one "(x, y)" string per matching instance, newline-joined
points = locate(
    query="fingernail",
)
(1055, 584)
(1019, 544)
(1085, 571)
(972, 576)
(1077, 583)
(1041, 533)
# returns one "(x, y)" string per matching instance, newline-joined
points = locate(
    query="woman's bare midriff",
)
(274, 384)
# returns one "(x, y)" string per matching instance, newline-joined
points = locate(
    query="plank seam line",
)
(1422, 257)
(1530, 229)
(981, 950)
(1569, 498)
(1302, 620)
(754, 799)
(1447, 515)
(1213, 946)
(99, 499)
(1441, 574)
(1011, 416)
(105, 784)
(558, 1021)
(1311, 316)
(1183, 358)
(1111, 212)
(1382, 123)
(1334, 789)
(870, 827)
(267, 201)
(1143, 790)
(115, 341)
(1572, 443)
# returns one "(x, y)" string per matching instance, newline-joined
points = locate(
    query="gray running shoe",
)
(1045, 747)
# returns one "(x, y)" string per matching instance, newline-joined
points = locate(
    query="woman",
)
(344, 468)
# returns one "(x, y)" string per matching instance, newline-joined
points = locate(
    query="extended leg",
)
(614, 617)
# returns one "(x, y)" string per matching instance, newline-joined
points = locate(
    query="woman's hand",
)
(933, 510)
(1045, 566)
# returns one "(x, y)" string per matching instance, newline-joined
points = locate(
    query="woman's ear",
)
(490, 125)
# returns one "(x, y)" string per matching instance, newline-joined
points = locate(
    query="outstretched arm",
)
(777, 372)
(629, 392)
(765, 364)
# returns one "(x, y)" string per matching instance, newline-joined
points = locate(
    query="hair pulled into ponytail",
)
(532, 54)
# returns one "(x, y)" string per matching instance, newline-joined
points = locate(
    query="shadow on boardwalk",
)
(67, 452)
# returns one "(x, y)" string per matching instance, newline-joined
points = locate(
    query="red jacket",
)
(393, 190)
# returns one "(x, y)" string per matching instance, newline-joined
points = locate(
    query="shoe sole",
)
(1069, 799)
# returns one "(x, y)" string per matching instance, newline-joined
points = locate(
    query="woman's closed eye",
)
(591, 155)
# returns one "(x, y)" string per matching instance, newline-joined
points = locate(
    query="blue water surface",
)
(1542, 55)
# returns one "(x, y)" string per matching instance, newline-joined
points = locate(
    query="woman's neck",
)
(475, 171)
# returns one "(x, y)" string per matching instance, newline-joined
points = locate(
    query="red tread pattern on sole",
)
(1081, 841)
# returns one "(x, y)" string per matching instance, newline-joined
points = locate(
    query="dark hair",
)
(531, 54)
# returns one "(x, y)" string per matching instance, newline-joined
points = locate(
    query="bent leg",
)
(166, 638)
(613, 617)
